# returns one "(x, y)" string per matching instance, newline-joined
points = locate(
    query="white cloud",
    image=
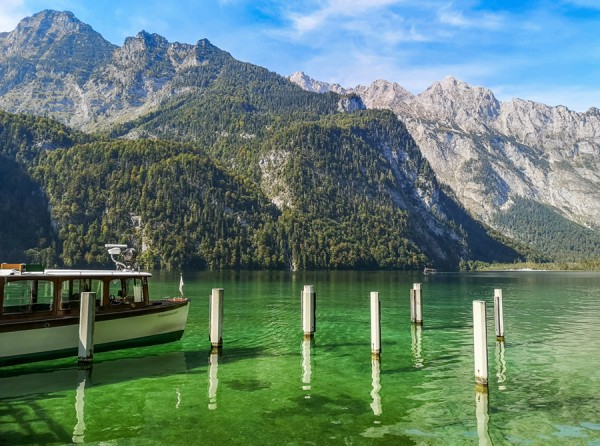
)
(318, 16)
(11, 13)
(487, 20)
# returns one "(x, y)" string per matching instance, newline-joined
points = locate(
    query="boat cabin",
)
(29, 291)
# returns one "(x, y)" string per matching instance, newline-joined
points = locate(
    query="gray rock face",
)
(52, 64)
(490, 152)
(309, 84)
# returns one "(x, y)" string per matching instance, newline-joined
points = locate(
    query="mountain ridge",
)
(110, 84)
(491, 153)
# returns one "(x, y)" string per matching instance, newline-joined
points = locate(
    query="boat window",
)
(26, 296)
(127, 290)
(71, 290)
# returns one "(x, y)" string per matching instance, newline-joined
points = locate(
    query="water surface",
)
(269, 386)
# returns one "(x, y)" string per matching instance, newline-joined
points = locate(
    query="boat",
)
(427, 270)
(40, 309)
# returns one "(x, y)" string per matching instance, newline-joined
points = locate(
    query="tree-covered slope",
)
(167, 199)
(26, 232)
(552, 236)
(229, 109)
(346, 187)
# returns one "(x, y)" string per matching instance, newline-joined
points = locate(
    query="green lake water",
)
(270, 387)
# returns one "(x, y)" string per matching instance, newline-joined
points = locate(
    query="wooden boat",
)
(39, 309)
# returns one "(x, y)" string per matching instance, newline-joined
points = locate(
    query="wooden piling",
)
(216, 317)
(308, 307)
(412, 305)
(418, 319)
(87, 316)
(498, 315)
(375, 325)
(480, 345)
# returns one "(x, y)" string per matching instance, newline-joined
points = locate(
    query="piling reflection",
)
(416, 332)
(79, 430)
(500, 365)
(306, 364)
(178, 393)
(213, 380)
(481, 411)
(376, 384)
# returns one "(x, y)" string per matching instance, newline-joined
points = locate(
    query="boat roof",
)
(95, 273)
(84, 273)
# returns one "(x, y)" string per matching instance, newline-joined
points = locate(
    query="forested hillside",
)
(342, 203)
(25, 225)
(553, 237)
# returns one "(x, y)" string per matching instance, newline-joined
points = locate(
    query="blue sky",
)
(543, 50)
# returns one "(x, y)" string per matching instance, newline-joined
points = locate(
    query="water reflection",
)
(306, 364)
(416, 332)
(213, 380)
(375, 374)
(79, 430)
(481, 411)
(500, 365)
(178, 392)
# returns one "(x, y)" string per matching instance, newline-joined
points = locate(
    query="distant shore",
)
(590, 265)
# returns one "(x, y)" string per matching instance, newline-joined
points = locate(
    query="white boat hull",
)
(109, 333)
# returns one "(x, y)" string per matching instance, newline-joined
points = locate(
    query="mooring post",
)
(498, 314)
(480, 344)
(87, 316)
(418, 304)
(375, 325)
(216, 318)
(412, 305)
(308, 304)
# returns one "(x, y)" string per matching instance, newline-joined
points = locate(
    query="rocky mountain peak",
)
(142, 51)
(593, 111)
(44, 53)
(383, 94)
(48, 22)
(452, 101)
(310, 84)
(146, 41)
(35, 35)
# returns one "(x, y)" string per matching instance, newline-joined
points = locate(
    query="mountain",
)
(45, 62)
(495, 156)
(202, 160)
(52, 64)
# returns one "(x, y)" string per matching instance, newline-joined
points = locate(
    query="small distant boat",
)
(429, 270)
(39, 309)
